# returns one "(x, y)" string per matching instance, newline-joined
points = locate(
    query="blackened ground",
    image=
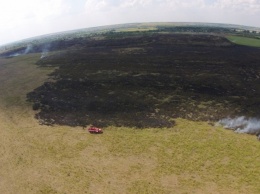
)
(146, 81)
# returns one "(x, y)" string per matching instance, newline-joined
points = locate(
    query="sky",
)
(20, 19)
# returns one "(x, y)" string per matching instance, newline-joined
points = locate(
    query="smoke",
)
(22, 52)
(44, 54)
(242, 125)
(28, 49)
(14, 55)
(45, 50)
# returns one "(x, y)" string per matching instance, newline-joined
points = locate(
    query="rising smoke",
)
(28, 49)
(242, 125)
(23, 52)
(14, 55)
(45, 50)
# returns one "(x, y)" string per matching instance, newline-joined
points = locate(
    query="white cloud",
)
(225, 11)
(132, 3)
(26, 18)
(13, 12)
(23, 19)
(93, 5)
(246, 12)
(248, 6)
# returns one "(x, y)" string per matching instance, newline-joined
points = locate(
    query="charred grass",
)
(146, 80)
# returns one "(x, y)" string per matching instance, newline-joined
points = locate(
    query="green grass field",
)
(244, 41)
(192, 157)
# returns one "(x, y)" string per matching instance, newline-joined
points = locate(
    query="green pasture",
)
(244, 41)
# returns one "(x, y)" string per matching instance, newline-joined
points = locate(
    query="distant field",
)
(244, 41)
(140, 29)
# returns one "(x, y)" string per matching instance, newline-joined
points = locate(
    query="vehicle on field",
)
(95, 130)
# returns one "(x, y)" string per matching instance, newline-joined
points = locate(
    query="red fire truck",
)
(95, 130)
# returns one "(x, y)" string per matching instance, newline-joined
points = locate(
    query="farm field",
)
(244, 41)
(157, 97)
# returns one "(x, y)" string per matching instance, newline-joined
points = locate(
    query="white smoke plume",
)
(44, 54)
(14, 55)
(28, 49)
(242, 125)
(45, 51)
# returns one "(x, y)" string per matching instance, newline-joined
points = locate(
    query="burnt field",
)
(148, 80)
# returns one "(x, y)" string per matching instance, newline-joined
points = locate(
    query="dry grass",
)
(192, 157)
